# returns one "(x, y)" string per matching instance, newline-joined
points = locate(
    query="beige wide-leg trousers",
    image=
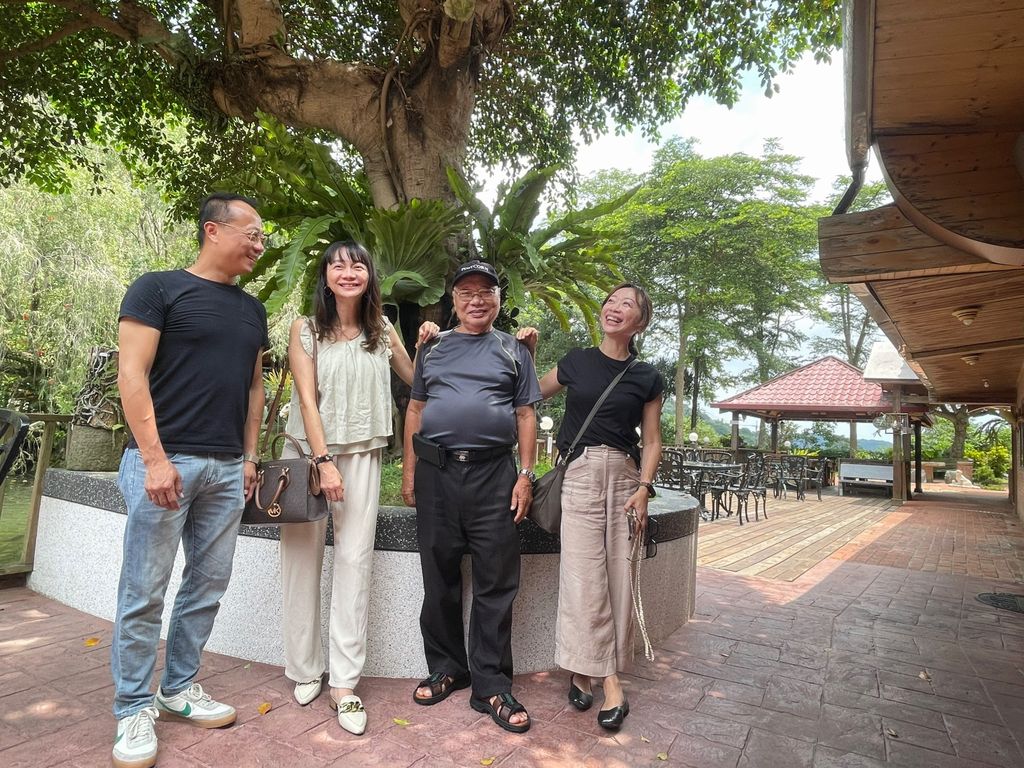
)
(594, 628)
(302, 556)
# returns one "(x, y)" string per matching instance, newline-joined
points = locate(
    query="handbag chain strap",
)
(275, 404)
(593, 411)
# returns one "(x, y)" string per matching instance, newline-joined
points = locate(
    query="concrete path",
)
(876, 654)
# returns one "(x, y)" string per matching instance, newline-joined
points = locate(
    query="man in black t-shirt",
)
(191, 385)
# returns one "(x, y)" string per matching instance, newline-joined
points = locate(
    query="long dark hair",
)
(371, 317)
(646, 310)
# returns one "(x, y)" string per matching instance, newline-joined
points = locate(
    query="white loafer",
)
(306, 692)
(351, 714)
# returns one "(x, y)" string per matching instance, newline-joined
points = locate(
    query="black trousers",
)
(465, 507)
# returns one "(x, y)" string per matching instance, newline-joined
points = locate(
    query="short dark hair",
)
(217, 207)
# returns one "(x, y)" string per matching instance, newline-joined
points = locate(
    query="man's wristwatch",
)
(528, 474)
(650, 489)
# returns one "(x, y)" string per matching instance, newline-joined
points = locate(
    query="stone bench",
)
(78, 560)
(929, 467)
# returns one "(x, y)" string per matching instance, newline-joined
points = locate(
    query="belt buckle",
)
(459, 455)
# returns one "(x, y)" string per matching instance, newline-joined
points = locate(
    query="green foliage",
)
(65, 261)
(555, 262)
(726, 247)
(312, 201)
(990, 464)
(936, 440)
(391, 484)
(557, 70)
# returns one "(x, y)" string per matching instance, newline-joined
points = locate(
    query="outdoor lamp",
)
(787, 445)
(546, 423)
(693, 439)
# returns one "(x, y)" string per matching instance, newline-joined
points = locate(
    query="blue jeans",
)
(206, 524)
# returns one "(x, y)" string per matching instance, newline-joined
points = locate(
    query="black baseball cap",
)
(475, 267)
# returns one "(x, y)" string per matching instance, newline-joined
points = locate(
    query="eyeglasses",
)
(253, 237)
(484, 294)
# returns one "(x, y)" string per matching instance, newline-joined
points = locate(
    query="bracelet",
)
(650, 489)
(318, 460)
(251, 457)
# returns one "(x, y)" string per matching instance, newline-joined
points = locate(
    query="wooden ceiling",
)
(941, 86)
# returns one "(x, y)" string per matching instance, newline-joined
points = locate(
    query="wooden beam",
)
(963, 349)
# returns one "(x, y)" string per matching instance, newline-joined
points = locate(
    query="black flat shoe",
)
(582, 701)
(611, 719)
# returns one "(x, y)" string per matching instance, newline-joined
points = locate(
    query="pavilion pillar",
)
(775, 436)
(853, 439)
(917, 456)
(899, 470)
(735, 445)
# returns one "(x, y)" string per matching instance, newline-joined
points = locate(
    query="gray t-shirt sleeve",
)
(527, 387)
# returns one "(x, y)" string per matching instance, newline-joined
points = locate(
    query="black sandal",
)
(441, 687)
(507, 706)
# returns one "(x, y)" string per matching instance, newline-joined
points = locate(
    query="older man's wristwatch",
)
(528, 474)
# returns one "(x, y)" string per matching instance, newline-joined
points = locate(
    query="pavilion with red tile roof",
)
(828, 389)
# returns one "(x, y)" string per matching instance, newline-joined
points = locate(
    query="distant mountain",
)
(873, 445)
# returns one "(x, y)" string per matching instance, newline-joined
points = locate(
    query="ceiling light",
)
(984, 383)
(970, 359)
(966, 315)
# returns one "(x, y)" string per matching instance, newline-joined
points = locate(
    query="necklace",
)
(341, 335)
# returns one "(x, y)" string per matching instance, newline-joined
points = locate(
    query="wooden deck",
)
(796, 536)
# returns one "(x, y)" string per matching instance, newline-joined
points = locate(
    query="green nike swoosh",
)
(184, 711)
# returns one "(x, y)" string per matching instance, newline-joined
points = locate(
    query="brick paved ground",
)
(851, 664)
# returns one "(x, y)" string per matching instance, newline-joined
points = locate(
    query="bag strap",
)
(636, 555)
(598, 404)
(275, 404)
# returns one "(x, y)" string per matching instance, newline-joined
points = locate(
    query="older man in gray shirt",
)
(472, 400)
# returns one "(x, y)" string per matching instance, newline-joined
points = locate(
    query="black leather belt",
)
(477, 454)
(438, 455)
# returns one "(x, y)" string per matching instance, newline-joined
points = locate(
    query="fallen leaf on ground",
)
(924, 676)
(645, 740)
(248, 666)
(663, 755)
(486, 761)
(401, 722)
(264, 707)
(91, 641)
(892, 733)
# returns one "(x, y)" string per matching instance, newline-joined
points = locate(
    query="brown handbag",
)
(287, 490)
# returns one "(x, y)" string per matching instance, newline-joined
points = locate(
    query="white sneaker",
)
(135, 743)
(306, 692)
(351, 715)
(195, 705)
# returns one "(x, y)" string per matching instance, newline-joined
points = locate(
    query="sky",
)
(806, 116)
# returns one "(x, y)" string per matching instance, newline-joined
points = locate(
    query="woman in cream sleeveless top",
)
(357, 347)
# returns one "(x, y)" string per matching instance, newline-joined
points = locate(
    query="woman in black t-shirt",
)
(609, 476)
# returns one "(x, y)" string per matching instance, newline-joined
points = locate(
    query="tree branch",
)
(72, 28)
(131, 23)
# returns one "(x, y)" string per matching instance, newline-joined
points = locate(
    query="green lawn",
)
(14, 520)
